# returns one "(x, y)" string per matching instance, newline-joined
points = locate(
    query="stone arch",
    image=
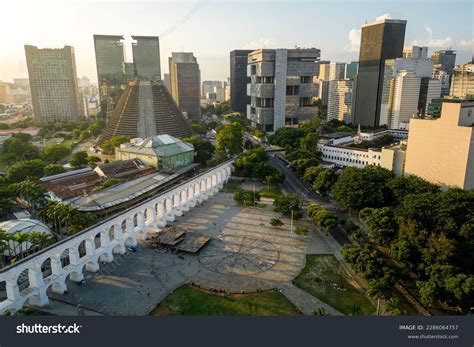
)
(118, 249)
(46, 267)
(56, 287)
(123, 225)
(97, 241)
(3, 291)
(130, 241)
(64, 258)
(23, 280)
(112, 232)
(82, 249)
(106, 257)
(135, 220)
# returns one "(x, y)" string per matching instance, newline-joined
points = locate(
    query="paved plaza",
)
(245, 254)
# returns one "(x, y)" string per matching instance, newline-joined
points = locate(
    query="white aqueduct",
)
(100, 242)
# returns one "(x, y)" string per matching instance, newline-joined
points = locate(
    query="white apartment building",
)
(340, 100)
(343, 156)
(403, 100)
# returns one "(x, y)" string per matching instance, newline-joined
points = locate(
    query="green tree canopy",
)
(229, 139)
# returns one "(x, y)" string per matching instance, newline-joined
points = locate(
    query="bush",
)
(275, 222)
(110, 182)
(323, 218)
(246, 197)
(301, 230)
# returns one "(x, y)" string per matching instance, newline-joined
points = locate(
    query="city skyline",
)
(173, 23)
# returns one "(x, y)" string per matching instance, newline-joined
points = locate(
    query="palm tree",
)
(21, 239)
(392, 306)
(4, 246)
(40, 240)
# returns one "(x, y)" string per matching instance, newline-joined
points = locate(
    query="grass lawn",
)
(318, 278)
(190, 301)
(271, 193)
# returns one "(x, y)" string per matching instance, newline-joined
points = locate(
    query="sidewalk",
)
(60, 308)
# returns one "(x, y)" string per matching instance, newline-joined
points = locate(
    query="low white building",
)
(349, 156)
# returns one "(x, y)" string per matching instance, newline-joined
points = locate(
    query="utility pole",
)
(291, 222)
(254, 193)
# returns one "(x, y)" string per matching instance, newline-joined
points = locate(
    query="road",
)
(292, 183)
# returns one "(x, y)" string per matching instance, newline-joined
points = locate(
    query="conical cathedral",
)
(146, 109)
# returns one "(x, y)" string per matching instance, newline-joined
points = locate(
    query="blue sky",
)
(212, 28)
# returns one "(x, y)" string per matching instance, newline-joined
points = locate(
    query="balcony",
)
(260, 115)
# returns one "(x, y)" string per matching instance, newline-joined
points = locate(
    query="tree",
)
(286, 136)
(392, 306)
(109, 146)
(229, 139)
(78, 159)
(203, 149)
(86, 134)
(92, 160)
(427, 292)
(29, 190)
(325, 181)
(300, 165)
(311, 174)
(322, 217)
(359, 188)
(199, 128)
(53, 169)
(246, 197)
(287, 204)
(29, 169)
(21, 149)
(401, 186)
(39, 240)
(53, 154)
(381, 224)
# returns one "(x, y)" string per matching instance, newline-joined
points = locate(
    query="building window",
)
(305, 102)
(292, 90)
(306, 79)
(253, 70)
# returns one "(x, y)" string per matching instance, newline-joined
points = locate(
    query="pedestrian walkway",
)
(305, 302)
(60, 308)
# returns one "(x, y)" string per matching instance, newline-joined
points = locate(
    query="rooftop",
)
(160, 145)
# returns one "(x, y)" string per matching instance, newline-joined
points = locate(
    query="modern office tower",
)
(380, 41)
(281, 86)
(340, 100)
(238, 80)
(421, 67)
(111, 74)
(146, 57)
(442, 150)
(415, 52)
(53, 83)
(146, 109)
(462, 81)
(166, 80)
(351, 70)
(444, 59)
(403, 100)
(430, 89)
(185, 79)
(336, 71)
(324, 68)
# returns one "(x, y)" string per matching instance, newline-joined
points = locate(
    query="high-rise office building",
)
(403, 100)
(380, 41)
(442, 150)
(351, 70)
(324, 67)
(462, 81)
(340, 100)
(444, 59)
(185, 78)
(53, 83)
(5, 95)
(430, 89)
(239, 80)
(111, 74)
(415, 52)
(281, 86)
(322, 91)
(422, 68)
(146, 57)
(336, 71)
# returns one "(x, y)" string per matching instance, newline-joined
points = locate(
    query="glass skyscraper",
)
(146, 57)
(380, 40)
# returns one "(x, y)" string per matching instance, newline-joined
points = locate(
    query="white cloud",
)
(264, 42)
(466, 42)
(430, 31)
(354, 40)
(384, 16)
(434, 43)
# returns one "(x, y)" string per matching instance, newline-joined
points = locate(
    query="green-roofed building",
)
(165, 152)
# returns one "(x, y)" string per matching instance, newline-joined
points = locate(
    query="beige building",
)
(5, 96)
(442, 150)
(340, 100)
(393, 158)
(462, 81)
(53, 82)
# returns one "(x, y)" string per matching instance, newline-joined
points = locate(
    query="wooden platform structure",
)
(178, 240)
